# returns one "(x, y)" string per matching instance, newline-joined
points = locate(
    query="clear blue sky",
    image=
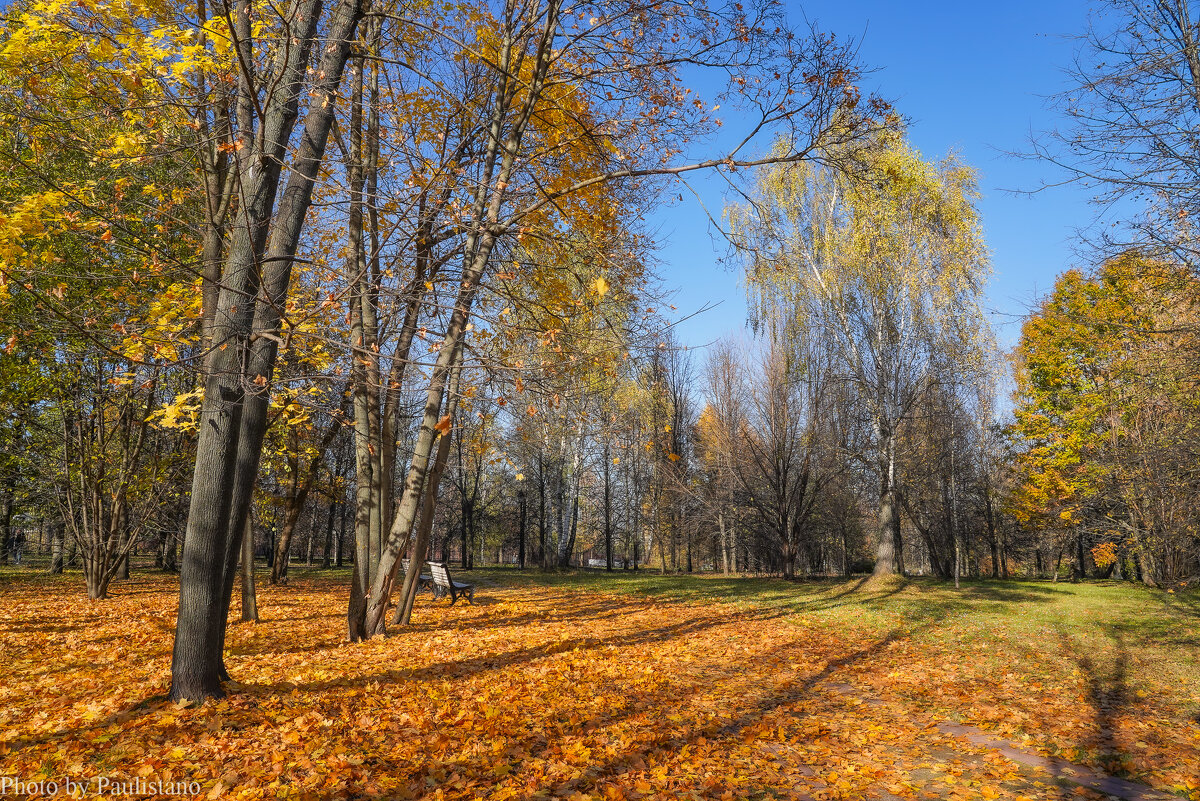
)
(972, 77)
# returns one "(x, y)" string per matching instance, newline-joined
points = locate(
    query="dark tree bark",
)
(6, 516)
(327, 549)
(249, 597)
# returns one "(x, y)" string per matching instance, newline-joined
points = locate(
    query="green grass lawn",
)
(1148, 617)
(1104, 649)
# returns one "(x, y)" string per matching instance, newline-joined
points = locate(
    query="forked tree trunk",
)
(215, 519)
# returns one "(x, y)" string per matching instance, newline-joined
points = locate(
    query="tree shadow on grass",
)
(1108, 695)
(1185, 604)
(1010, 592)
(922, 598)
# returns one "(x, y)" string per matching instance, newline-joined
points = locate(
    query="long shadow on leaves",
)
(675, 740)
(1107, 694)
(463, 668)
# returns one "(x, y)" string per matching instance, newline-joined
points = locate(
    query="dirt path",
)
(1041, 774)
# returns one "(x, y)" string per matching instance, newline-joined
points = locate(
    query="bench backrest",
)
(441, 575)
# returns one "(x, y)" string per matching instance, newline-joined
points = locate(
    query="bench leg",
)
(471, 596)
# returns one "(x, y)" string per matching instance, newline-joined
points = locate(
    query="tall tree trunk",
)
(472, 539)
(381, 478)
(541, 551)
(1004, 557)
(637, 542)
(56, 546)
(687, 544)
(724, 535)
(521, 511)
(608, 539)
(993, 536)
(889, 553)
(464, 517)
(566, 544)
(6, 516)
(1144, 558)
(341, 538)
(364, 373)
(328, 547)
(171, 552)
(283, 542)
(673, 525)
(408, 590)
(249, 598)
(429, 507)
(560, 512)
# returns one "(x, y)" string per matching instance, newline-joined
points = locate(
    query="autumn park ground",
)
(589, 685)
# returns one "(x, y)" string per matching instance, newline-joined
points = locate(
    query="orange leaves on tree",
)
(1104, 554)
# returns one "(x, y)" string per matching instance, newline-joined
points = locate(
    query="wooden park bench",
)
(424, 580)
(443, 582)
